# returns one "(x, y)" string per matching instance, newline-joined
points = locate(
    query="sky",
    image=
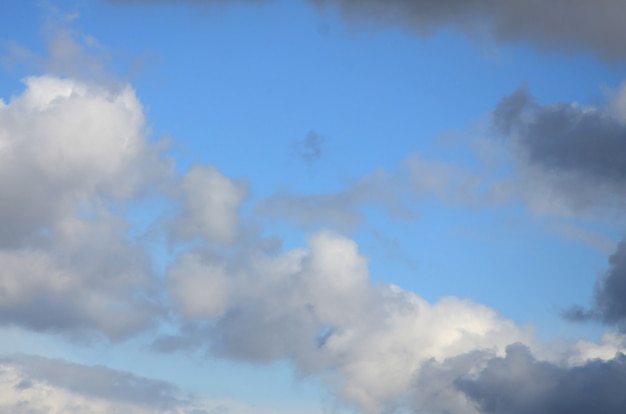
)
(312, 206)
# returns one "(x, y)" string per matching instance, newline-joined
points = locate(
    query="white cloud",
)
(318, 308)
(68, 151)
(66, 145)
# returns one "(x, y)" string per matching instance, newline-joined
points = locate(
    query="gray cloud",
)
(563, 25)
(309, 149)
(209, 205)
(519, 384)
(557, 25)
(569, 138)
(609, 301)
(570, 158)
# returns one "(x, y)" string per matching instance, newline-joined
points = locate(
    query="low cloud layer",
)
(36, 385)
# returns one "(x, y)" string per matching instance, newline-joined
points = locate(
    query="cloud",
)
(518, 383)
(69, 53)
(209, 206)
(573, 139)
(317, 308)
(72, 153)
(32, 384)
(66, 146)
(37, 385)
(559, 25)
(568, 157)
(88, 282)
(310, 148)
(609, 300)
(577, 233)
(342, 209)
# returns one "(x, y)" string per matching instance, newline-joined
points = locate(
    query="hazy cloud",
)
(341, 209)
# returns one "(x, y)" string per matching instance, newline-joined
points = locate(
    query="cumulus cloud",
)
(66, 145)
(317, 308)
(70, 152)
(558, 25)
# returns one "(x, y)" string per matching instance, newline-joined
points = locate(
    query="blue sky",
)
(311, 206)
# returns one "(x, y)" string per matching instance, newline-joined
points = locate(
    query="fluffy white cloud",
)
(318, 308)
(65, 145)
(71, 153)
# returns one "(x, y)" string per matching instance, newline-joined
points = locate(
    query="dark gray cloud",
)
(569, 138)
(609, 304)
(555, 25)
(568, 155)
(565, 25)
(520, 384)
